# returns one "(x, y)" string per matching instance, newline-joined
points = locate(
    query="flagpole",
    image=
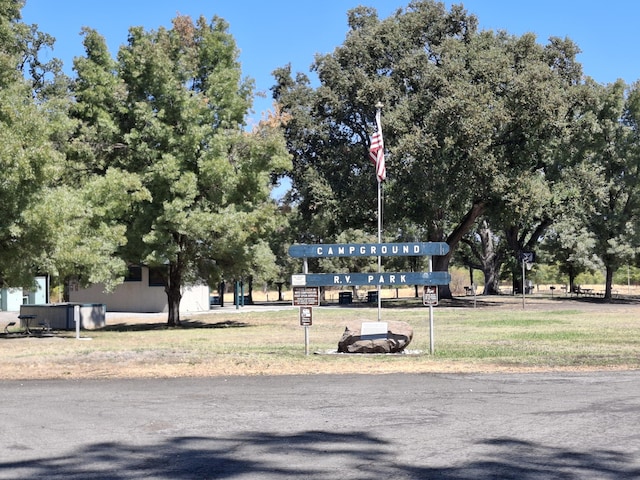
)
(379, 241)
(378, 114)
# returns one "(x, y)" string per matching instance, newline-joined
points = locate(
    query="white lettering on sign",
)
(351, 249)
(395, 249)
(373, 250)
(336, 279)
(330, 251)
(405, 249)
(370, 279)
(383, 249)
(319, 251)
(340, 250)
(416, 249)
(403, 279)
(347, 278)
(363, 249)
(392, 279)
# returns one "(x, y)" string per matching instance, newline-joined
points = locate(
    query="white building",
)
(143, 292)
(12, 298)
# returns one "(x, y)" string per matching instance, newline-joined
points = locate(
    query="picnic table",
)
(25, 320)
(578, 290)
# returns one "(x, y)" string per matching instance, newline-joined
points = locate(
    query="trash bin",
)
(372, 296)
(62, 316)
(345, 298)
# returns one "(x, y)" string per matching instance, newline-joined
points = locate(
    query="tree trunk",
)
(441, 263)
(173, 288)
(490, 260)
(250, 293)
(221, 289)
(491, 280)
(608, 282)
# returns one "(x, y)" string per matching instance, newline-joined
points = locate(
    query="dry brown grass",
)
(498, 335)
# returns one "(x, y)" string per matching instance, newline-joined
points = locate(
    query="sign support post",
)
(523, 283)
(431, 334)
(527, 259)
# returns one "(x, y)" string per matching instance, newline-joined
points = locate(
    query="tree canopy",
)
(473, 121)
(170, 111)
(495, 143)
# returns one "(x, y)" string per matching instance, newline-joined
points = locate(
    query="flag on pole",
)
(376, 151)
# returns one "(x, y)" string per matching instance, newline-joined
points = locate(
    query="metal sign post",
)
(523, 284)
(306, 314)
(431, 333)
(527, 259)
(430, 299)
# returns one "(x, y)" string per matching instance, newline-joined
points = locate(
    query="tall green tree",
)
(471, 119)
(32, 128)
(614, 150)
(171, 111)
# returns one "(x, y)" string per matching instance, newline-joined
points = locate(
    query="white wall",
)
(11, 299)
(138, 296)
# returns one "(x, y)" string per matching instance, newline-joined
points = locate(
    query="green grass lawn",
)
(498, 335)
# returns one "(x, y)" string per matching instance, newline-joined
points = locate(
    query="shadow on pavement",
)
(317, 455)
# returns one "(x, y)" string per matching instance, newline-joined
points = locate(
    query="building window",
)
(157, 276)
(134, 274)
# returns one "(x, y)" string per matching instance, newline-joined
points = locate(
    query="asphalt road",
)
(520, 426)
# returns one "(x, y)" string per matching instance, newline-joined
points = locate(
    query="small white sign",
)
(373, 330)
(298, 280)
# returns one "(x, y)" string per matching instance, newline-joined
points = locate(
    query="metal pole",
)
(523, 294)
(306, 340)
(305, 270)
(379, 241)
(378, 110)
(76, 318)
(431, 335)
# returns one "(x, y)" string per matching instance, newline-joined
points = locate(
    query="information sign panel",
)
(306, 314)
(386, 278)
(414, 249)
(430, 295)
(304, 296)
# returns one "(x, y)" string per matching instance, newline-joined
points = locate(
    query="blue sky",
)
(273, 33)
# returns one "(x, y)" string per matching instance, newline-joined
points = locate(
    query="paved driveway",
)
(525, 426)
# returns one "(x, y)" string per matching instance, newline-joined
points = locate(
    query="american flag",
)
(376, 151)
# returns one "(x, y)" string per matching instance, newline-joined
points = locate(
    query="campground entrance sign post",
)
(306, 280)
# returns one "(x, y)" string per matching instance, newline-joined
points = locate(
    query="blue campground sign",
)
(385, 278)
(415, 249)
